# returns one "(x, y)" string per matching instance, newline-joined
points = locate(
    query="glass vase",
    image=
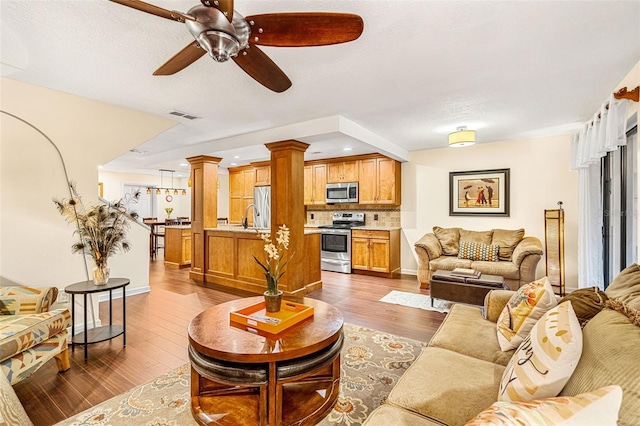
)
(100, 274)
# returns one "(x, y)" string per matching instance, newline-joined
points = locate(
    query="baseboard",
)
(409, 272)
(104, 297)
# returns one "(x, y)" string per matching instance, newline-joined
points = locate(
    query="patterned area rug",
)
(372, 363)
(414, 300)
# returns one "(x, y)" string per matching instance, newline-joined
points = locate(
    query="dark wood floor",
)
(157, 337)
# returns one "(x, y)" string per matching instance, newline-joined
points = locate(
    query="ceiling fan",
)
(223, 33)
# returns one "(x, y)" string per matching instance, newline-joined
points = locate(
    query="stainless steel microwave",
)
(342, 192)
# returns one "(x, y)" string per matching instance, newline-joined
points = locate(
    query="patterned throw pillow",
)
(524, 309)
(545, 360)
(599, 407)
(478, 251)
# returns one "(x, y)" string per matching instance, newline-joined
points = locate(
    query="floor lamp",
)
(68, 185)
(554, 248)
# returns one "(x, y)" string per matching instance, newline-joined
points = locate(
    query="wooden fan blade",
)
(181, 60)
(155, 10)
(304, 29)
(224, 6)
(263, 70)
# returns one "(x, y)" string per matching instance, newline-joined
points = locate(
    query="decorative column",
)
(287, 207)
(204, 208)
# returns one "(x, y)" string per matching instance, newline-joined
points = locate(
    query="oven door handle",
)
(334, 261)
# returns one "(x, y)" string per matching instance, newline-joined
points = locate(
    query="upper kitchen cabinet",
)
(263, 173)
(241, 183)
(315, 182)
(379, 181)
(342, 171)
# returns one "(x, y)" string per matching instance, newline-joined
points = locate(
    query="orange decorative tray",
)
(256, 316)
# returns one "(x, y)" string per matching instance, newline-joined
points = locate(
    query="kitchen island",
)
(177, 246)
(229, 262)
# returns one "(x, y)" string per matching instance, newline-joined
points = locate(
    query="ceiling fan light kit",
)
(462, 137)
(223, 33)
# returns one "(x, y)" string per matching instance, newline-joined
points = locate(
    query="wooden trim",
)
(241, 168)
(633, 95)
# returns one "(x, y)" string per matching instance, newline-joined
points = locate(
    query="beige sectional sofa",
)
(518, 256)
(458, 375)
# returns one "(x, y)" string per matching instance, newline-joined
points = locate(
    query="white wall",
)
(540, 177)
(35, 241)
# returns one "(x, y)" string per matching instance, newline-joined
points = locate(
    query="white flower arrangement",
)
(274, 267)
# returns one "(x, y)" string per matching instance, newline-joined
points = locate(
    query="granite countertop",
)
(240, 228)
(378, 228)
(364, 228)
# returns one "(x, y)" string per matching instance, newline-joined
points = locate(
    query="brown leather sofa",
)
(518, 255)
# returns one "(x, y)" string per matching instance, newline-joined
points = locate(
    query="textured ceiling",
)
(420, 69)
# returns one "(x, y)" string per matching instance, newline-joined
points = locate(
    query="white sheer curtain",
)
(604, 133)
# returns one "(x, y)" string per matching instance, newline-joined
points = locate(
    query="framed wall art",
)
(479, 193)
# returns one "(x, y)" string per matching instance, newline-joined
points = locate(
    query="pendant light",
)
(167, 191)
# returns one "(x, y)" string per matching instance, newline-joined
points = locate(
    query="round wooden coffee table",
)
(243, 377)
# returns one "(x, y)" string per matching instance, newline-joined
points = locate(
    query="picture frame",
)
(479, 193)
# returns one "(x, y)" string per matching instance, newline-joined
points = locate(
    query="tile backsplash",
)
(390, 217)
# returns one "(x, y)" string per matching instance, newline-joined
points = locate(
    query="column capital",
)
(198, 159)
(289, 144)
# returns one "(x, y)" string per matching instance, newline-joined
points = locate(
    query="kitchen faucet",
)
(245, 221)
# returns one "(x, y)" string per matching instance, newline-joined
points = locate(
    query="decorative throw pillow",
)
(478, 251)
(483, 237)
(626, 286)
(448, 238)
(546, 359)
(522, 311)
(507, 240)
(586, 302)
(599, 407)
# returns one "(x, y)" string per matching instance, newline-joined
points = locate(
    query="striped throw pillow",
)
(546, 359)
(478, 251)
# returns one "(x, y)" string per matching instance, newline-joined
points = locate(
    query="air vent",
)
(184, 115)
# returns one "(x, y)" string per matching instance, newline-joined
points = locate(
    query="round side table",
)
(97, 334)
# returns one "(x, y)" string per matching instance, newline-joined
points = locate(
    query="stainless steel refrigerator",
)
(262, 210)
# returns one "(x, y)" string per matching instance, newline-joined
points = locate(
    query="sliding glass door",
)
(620, 207)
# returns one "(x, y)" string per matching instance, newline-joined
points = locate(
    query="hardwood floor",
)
(157, 336)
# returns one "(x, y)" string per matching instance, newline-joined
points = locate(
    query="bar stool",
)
(152, 248)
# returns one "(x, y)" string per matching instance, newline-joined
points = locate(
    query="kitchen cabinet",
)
(315, 182)
(241, 184)
(376, 252)
(263, 175)
(342, 171)
(379, 181)
(177, 250)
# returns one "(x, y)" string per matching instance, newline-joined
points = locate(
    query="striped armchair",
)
(30, 334)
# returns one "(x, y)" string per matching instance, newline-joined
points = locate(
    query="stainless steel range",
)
(335, 245)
